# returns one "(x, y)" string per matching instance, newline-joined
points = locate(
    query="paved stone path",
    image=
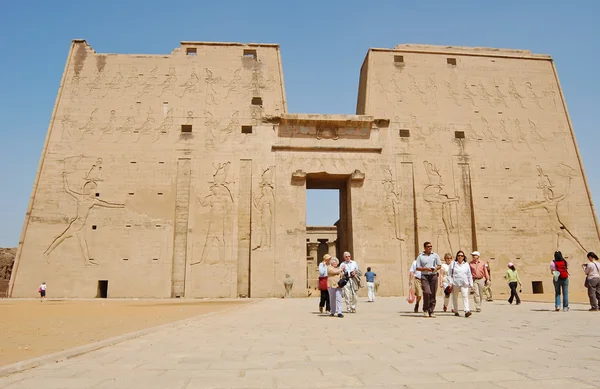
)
(286, 344)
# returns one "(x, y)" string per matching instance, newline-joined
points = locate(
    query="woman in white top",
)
(445, 280)
(592, 280)
(462, 280)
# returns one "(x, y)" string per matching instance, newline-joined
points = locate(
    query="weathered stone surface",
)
(184, 174)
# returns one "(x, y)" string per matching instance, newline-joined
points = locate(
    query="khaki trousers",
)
(478, 287)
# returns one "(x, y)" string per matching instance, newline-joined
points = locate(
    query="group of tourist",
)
(454, 276)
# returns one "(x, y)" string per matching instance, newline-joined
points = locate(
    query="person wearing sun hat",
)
(512, 275)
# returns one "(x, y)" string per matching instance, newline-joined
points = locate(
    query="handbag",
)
(322, 283)
(411, 296)
(342, 282)
(449, 288)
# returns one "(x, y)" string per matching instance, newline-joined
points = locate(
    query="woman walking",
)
(334, 289)
(592, 280)
(560, 273)
(512, 275)
(445, 280)
(461, 281)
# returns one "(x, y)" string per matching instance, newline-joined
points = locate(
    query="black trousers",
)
(325, 300)
(429, 282)
(513, 292)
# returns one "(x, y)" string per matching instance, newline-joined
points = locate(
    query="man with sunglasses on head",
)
(429, 263)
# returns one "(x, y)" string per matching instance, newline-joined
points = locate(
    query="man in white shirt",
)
(349, 267)
(429, 263)
(324, 302)
(414, 282)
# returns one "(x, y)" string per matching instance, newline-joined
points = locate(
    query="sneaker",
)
(566, 309)
(556, 309)
(331, 314)
(467, 314)
(456, 314)
(445, 308)
(340, 315)
(426, 314)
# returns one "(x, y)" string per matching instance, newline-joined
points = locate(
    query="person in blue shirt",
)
(370, 276)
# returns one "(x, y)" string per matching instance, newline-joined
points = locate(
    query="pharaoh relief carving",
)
(86, 199)
(211, 124)
(531, 95)
(264, 205)
(230, 129)
(189, 87)
(392, 201)
(514, 94)
(169, 83)
(258, 84)
(552, 96)
(212, 97)
(220, 204)
(550, 204)
(443, 207)
(148, 84)
(90, 126)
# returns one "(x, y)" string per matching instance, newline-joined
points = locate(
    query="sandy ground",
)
(31, 328)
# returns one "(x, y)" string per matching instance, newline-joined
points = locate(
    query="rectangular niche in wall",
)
(538, 287)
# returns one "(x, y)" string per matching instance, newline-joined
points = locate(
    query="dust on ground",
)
(31, 328)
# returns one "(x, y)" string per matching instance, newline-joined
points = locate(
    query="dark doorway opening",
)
(538, 287)
(102, 289)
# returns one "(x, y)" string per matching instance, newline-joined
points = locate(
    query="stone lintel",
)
(463, 50)
(322, 149)
(328, 121)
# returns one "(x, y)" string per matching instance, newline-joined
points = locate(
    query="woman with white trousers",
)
(462, 281)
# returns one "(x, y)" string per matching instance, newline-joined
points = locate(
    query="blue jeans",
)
(564, 284)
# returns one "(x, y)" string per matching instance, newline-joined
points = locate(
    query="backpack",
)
(561, 267)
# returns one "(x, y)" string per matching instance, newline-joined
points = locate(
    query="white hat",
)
(475, 253)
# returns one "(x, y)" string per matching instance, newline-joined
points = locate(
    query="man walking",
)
(370, 276)
(481, 277)
(324, 302)
(414, 282)
(350, 268)
(429, 263)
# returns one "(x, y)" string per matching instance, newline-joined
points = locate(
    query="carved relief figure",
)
(86, 200)
(110, 126)
(132, 81)
(232, 126)
(189, 87)
(521, 136)
(468, 94)
(169, 83)
(485, 95)
(499, 98)
(220, 201)
(451, 93)
(211, 93)
(235, 85)
(535, 135)
(531, 95)
(441, 203)
(514, 93)
(90, 126)
(550, 205)
(551, 94)
(115, 83)
(424, 95)
(97, 84)
(146, 127)
(391, 205)
(127, 127)
(150, 83)
(258, 83)
(211, 123)
(67, 126)
(165, 126)
(265, 205)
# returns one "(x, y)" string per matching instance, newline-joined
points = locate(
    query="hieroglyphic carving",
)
(211, 93)
(109, 128)
(391, 205)
(485, 95)
(86, 200)
(468, 94)
(132, 81)
(514, 93)
(220, 201)
(257, 83)
(427, 94)
(452, 94)
(265, 204)
(327, 133)
(169, 83)
(67, 126)
(550, 205)
(551, 95)
(521, 136)
(115, 83)
(126, 128)
(441, 204)
(96, 86)
(235, 85)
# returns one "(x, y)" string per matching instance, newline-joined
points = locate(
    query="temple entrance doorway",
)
(328, 220)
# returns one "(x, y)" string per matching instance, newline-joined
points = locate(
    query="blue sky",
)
(323, 44)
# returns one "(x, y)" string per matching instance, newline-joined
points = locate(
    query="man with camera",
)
(429, 263)
(350, 271)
